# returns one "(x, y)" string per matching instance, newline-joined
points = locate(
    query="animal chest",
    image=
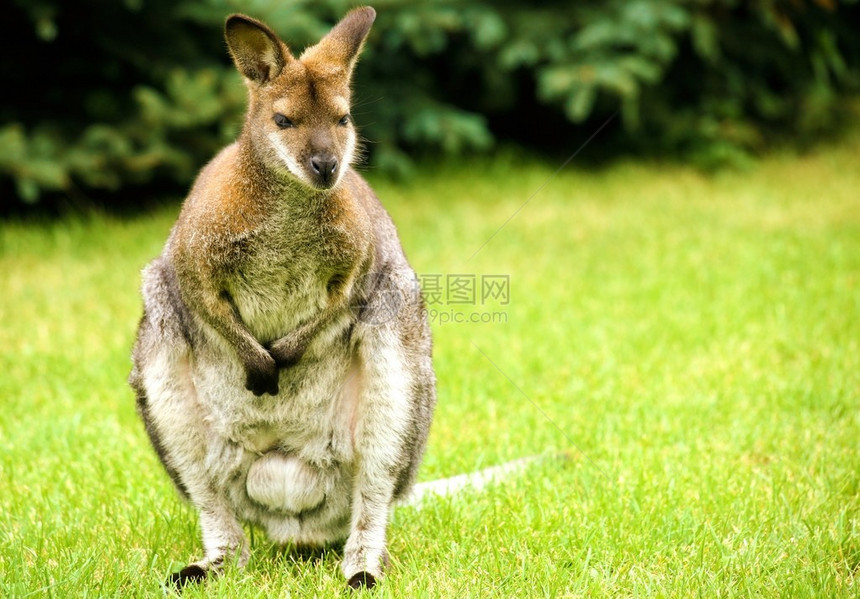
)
(280, 276)
(285, 273)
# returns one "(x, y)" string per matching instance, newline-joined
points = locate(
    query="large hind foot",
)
(192, 574)
(225, 545)
(362, 580)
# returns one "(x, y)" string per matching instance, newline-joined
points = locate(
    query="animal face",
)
(298, 114)
(305, 121)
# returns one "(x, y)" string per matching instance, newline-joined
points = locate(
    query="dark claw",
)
(192, 574)
(362, 580)
(260, 386)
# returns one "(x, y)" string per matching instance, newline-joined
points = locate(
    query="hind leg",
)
(382, 431)
(176, 418)
(395, 400)
(223, 541)
(176, 423)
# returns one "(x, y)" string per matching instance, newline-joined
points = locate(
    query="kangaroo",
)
(283, 364)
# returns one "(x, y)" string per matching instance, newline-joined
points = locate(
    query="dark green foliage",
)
(101, 95)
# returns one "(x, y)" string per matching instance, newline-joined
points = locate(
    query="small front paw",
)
(262, 376)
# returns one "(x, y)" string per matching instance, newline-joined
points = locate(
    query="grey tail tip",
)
(481, 478)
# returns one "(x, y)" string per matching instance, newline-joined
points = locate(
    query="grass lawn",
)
(694, 340)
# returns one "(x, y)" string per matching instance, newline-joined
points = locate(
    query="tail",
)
(446, 487)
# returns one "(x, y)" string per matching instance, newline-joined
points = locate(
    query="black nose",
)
(324, 166)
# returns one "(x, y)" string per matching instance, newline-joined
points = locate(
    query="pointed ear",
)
(258, 53)
(339, 49)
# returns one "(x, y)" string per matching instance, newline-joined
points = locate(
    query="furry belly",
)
(281, 482)
(296, 502)
(284, 462)
(293, 500)
(313, 409)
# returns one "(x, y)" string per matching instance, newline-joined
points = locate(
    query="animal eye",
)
(344, 121)
(282, 121)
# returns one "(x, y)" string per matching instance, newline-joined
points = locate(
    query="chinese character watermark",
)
(447, 297)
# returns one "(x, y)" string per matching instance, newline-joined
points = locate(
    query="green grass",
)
(694, 340)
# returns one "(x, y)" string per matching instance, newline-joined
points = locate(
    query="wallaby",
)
(283, 362)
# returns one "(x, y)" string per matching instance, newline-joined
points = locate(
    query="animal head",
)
(298, 116)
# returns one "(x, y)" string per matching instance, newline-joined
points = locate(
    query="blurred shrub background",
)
(119, 99)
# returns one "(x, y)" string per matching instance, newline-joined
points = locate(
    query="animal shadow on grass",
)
(300, 557)
(295, 559)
